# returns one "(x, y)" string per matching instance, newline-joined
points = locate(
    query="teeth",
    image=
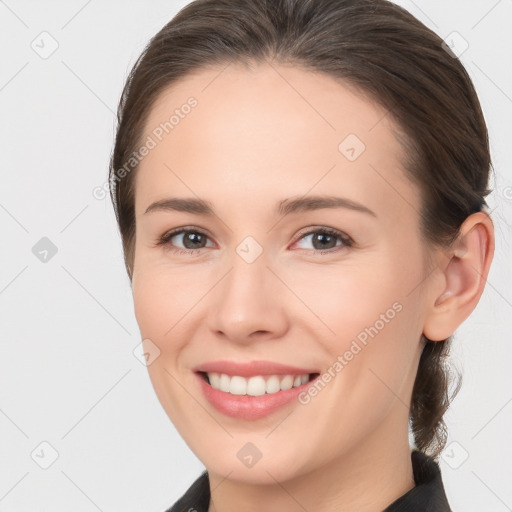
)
(273, 385)
(238, 386)
(287, 382)
(257, 385)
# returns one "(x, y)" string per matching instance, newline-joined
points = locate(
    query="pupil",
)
(192, 238)
(323, 236)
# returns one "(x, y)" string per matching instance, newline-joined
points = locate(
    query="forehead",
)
(273, 130)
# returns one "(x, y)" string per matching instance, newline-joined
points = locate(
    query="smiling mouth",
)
(257, 385)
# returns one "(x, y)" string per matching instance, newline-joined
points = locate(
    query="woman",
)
(300, 188)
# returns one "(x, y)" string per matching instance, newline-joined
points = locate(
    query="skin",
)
(258, 136)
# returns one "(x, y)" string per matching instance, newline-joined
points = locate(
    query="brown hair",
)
(373, 45)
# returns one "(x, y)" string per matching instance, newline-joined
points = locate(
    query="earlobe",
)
(465, 274)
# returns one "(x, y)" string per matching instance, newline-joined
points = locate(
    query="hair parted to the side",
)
(379, 49)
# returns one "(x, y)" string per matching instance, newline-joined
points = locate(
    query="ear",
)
(464, 274)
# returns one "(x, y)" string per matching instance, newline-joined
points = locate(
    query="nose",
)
(248, 303)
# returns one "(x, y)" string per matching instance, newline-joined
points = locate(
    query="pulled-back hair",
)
(385, 53)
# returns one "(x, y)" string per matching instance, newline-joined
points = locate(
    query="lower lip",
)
(248, 407)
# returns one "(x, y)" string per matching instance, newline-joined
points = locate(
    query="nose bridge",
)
(250, 250)
(247, 281)
(247, 299)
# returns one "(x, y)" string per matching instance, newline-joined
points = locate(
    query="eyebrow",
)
(284, 207)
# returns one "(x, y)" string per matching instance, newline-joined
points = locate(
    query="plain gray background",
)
(73, 396)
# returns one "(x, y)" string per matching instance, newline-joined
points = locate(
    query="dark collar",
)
(427, 496)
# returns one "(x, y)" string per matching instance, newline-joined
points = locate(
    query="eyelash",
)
(345, 239)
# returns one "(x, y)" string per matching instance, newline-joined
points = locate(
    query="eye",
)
(192, 240)
(325, 240)
(195, 239)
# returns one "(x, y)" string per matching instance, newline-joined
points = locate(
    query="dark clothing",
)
(427, 496)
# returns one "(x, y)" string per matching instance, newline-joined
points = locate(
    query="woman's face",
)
(256, 279)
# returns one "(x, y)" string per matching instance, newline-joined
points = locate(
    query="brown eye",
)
(193, 240)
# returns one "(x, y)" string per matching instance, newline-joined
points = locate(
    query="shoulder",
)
(196, 498)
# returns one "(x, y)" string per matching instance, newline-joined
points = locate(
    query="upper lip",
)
(250, 369)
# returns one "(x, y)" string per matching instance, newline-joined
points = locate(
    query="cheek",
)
(167, 306)
(151, 306)
(161, 298)
(370, 323)
(349, 297)
(160, 310)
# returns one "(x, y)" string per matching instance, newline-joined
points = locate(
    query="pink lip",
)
(251, 369)
(248, 407)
